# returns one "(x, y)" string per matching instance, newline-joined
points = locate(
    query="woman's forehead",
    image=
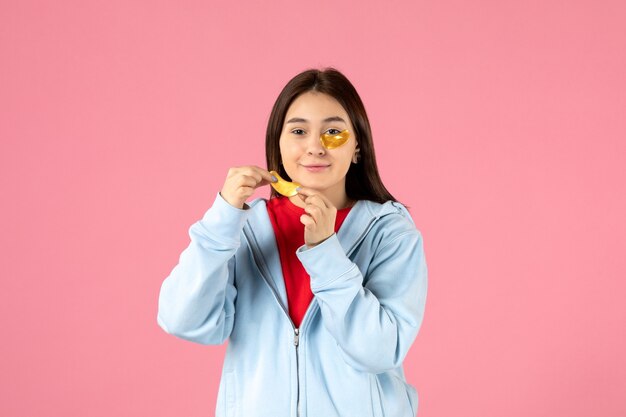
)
(314, 106)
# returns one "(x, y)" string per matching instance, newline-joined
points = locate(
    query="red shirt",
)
(289, 231)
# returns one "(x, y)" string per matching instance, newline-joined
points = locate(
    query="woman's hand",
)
(319, 217)
(241, 182)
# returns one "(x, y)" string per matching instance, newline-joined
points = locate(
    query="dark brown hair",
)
(362, 180)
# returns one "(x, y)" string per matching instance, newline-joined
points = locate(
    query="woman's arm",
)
(374, 325)
(196, 301)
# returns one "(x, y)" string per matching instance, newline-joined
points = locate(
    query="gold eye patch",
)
(284, 187)
(334, 141)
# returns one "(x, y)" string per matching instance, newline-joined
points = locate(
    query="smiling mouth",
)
(315, 168)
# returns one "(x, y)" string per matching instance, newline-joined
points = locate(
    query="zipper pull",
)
(296, 338)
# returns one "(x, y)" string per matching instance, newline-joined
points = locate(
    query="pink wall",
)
(501, 123)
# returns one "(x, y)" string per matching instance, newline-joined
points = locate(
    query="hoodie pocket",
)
(392, 396)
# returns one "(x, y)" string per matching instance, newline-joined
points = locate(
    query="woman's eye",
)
(298, 132)
(333, 131)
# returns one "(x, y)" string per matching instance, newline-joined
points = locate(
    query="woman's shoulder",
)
(390, 213)
(392, 220)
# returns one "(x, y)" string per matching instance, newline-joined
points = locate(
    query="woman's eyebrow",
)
(334, 119)
(296, 120)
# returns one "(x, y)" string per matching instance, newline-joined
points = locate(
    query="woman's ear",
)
(357, 155)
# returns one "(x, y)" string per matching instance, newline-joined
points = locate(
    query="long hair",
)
(362, 180)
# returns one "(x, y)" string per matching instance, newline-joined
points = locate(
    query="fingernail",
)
(274, 179)
(298, 189)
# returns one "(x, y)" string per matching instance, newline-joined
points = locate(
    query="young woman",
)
(319, 294)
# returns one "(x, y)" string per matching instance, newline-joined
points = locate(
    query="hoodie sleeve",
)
(374, 324)
(196, 301)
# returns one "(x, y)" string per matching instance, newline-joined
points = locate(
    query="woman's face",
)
(304, 158)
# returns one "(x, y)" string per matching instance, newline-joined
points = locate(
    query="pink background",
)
(500, 123)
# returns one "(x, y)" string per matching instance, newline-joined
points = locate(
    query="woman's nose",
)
(314, 146)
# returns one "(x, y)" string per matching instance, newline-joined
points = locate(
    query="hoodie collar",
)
(258, 226)
(358, 219)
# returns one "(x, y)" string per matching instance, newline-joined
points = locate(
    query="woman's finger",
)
(313, 211)
(247, 181)
(307, 221)
(316, 201)
(260, 175)
(325, 200)
(264, 175)
(312, 197)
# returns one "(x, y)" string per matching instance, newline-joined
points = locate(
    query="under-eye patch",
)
(284, 187)
(334, 141)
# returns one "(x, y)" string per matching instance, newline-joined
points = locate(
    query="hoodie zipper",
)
(296, 342)
(258, 260)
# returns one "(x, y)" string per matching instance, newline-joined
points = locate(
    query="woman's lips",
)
(315, 168)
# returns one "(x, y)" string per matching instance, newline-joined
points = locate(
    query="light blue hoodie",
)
(369, 283)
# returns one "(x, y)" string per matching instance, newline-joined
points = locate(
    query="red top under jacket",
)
(289, 231)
